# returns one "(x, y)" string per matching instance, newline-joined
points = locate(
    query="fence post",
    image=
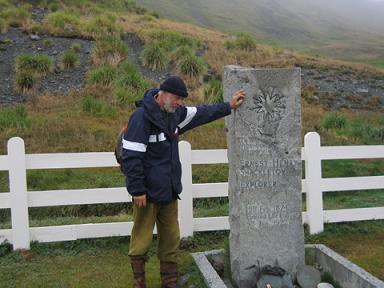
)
(18, 193)
(314, 196)
(186, 203)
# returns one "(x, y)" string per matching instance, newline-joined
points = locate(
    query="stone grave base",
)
(347, 274)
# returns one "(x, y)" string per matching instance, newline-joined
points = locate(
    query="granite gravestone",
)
(264, 152)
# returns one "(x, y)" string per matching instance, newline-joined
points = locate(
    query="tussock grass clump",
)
(64, 23)
(180, 52)
(103, 75)
(334, 121)
(14, 117)
(243, 41)
(29, 67)
(102, 25)
(25, 81)
(97, 108)
(12, 15)
(130, 85)
(191, 65)
(69, 59)
(62, 19)
(154, 57)
(109, 50)
(40, 64)
(76, 47)
(3, 25)
(213, 91)
(170, 40)
(48, 42)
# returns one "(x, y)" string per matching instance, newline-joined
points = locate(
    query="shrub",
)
(213, 91)
(25, 81)
(97, 108)
(69, 59)
(154, 57)
(14, 117)
(191, 65)
(334, 121)
(103, 75)
(76, 47)
(109, 50)
(35, 63)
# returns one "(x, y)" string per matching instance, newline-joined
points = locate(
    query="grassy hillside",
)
(337, 29)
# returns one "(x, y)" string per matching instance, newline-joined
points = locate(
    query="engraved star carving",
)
(270, 102)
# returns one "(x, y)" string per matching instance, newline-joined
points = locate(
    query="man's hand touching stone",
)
(237, 99)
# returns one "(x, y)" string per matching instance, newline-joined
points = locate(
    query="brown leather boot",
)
(168, 272)
(138, 269)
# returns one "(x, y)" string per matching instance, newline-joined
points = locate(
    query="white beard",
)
(168, 105)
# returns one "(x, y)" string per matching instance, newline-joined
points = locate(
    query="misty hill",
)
(344, 29)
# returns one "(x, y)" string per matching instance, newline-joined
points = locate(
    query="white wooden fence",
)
(19, 199)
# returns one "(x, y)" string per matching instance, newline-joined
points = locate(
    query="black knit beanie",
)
(174, 85)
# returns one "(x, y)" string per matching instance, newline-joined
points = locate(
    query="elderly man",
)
(152, 168)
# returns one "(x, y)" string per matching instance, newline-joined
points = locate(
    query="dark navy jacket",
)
(150, 155)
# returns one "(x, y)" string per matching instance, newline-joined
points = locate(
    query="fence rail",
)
(19, 199)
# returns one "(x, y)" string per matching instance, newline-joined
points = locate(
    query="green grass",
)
(334, 121)
(105, 263)
(97, 108)
(379, 63)
(102, 75)
(243, 41)
(14, 117)
(213, 91)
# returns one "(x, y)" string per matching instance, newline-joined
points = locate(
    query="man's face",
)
(171, 102)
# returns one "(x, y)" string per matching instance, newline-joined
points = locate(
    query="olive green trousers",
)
(168, 233)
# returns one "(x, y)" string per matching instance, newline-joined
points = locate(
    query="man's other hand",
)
(140, 201)
(237, 99)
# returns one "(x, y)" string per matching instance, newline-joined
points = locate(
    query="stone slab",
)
(264, 153)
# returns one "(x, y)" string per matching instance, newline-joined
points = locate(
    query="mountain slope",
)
(349, 30)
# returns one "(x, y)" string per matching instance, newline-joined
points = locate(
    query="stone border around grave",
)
(342, 270)
(211, 278)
